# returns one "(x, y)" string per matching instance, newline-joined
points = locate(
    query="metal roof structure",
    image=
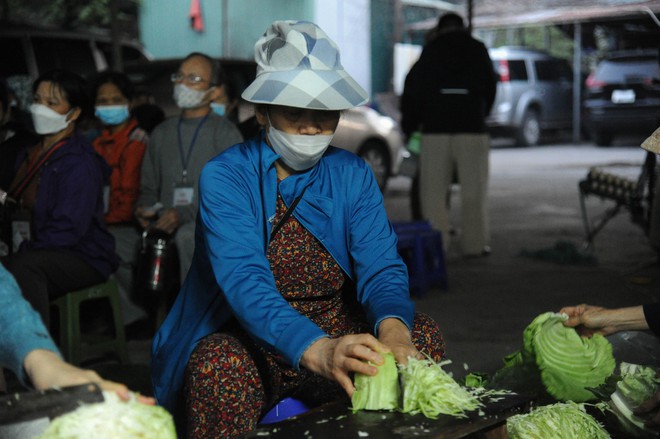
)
(521, 13)
(498, 13)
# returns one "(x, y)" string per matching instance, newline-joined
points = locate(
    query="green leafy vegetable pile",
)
(113, 419)
(637, 384)
(557, 358)
(426, 389)
(563, 420)
(429, 390)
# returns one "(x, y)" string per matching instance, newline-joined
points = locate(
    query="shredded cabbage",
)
(429, 390)
(569, 363)
(378, 392)
(113, 419)
(563, 420)
(637, 384)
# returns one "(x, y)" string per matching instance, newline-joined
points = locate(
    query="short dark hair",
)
(123, 83)
(72, 86)
(450, 21)
(217, 76)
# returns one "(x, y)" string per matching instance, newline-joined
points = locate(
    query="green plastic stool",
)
(76, 346)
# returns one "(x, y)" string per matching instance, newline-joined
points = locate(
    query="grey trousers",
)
(467, 155)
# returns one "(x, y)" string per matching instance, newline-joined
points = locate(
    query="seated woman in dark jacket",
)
(63, 244)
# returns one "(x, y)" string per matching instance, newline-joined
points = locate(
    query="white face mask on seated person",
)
(298, 151)
(48, 121)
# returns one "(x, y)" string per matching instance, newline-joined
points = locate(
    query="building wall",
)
(383, 30)
(166, 32)
(348, 23)
(363, 30)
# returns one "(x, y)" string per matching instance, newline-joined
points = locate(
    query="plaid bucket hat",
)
(298, 66)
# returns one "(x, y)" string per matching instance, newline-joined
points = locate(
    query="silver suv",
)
(534, 94)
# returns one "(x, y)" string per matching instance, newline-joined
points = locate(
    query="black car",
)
(622, 96)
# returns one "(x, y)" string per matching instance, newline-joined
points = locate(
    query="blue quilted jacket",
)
(342, 207)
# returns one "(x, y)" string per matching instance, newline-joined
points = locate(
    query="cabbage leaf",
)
(378, 392)
(429, 390)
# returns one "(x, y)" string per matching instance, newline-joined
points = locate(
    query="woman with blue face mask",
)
(122, 143)
(62, 243)
(296, 283)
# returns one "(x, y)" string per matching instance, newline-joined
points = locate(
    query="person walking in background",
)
(178, 148)
(63, 243)
(122, 144)
(447, 95)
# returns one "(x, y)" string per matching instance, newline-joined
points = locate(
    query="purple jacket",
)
(68, 211)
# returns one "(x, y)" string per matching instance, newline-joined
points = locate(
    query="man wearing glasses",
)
(177, 151)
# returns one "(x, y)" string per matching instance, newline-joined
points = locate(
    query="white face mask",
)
(299, 151)
(46, 120)
(186, 97)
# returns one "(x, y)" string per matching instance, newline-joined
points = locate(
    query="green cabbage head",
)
(569, 363)
(113, 419)
(565, 420)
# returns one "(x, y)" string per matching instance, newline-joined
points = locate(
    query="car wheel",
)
(375, 154)
(602, 138)
(529, 133)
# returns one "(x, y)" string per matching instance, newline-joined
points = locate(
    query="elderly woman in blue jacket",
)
(64, 244)
(296, 283)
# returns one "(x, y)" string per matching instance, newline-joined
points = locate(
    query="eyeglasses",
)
(190, 79)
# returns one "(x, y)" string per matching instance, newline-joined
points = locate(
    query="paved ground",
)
(533, 205)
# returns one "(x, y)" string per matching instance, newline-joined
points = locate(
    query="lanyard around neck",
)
(186, 159)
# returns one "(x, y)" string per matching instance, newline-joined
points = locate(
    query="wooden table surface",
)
(337, 421)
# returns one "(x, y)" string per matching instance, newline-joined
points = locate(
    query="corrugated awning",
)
(569, 14)
(520, 13)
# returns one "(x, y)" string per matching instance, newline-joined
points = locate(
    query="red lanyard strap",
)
(16, 192)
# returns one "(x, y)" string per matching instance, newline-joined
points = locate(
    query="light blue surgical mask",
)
(112, 114)
(218, 109)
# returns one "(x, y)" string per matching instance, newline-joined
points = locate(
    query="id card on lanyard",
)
(184, 193)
